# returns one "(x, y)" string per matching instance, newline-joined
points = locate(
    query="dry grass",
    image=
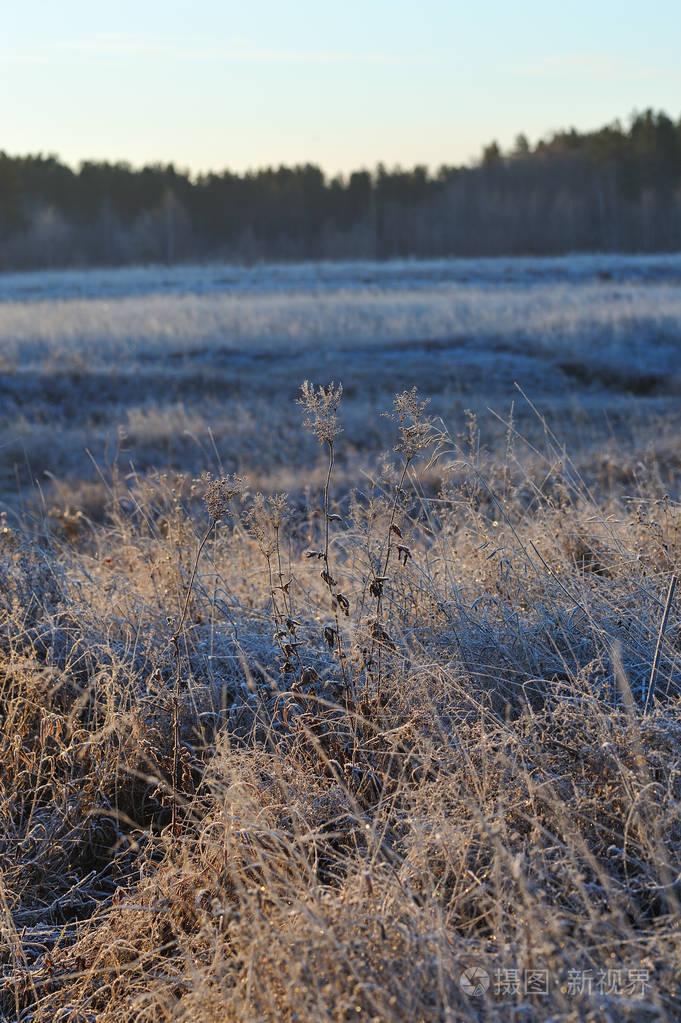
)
(410, 740)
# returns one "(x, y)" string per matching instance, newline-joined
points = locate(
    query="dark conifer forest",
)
(612, 190)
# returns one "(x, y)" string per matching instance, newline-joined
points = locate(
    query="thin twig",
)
(174, 639)
(658, 648)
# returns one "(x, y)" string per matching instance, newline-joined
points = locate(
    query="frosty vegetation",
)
(305, 709)
(168, 358)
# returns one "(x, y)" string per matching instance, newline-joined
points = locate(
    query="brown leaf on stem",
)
(403, 553)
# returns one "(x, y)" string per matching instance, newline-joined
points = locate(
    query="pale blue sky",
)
(213, 84)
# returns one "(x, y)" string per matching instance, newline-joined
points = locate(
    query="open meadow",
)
(327, 707)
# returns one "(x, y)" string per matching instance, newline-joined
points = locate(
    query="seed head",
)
(265, 518)
(321, 405)
(220, 492)
(415, 431)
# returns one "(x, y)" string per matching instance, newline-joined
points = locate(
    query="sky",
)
(217, 84)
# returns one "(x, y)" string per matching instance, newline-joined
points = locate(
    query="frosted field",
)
(288, 768)
(182, 361)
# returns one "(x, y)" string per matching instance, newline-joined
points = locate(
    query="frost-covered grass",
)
(171, 354)
(553, 314)
(314, 760)
(289, 277)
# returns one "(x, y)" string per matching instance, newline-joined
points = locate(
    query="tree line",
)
(614, 189)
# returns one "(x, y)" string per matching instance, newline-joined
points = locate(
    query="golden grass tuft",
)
(274, 768)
